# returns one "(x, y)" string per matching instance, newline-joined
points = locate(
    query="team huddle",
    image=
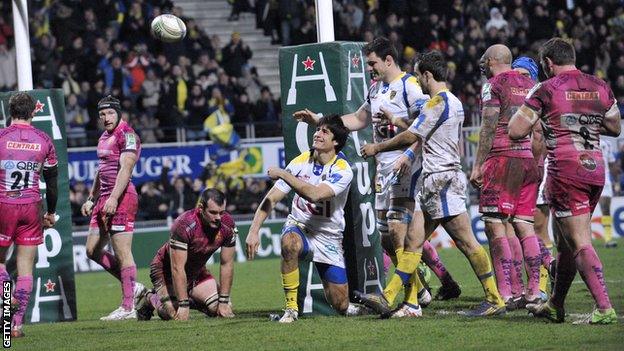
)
(522, 168)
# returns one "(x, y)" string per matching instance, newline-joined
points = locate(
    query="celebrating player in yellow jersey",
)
(320, 178)
(398, 94)
(441, 190)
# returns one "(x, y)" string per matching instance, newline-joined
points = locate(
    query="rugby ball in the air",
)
(168, 28)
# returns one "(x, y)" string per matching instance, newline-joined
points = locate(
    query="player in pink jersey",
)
(574, 109)
(112, 215)
(527, 67)
(509, 191)
(25, 153)
(178, 271)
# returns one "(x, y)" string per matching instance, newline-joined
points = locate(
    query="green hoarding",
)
(54, 293)
(146, 242)
(331, 78)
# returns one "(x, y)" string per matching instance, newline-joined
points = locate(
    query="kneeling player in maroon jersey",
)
(178, 271)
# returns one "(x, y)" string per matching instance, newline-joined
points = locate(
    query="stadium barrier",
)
(54, 293)
(187, 159)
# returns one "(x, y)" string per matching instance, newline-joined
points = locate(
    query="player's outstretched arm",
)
(357, 120)
(226, 277)
(266, 206)
(353, 121)
(522, 122)
(611, 125)
(93, 193)
(312, 193)
(306, 116)
(178, 258)
(126, 162)
(398, 142)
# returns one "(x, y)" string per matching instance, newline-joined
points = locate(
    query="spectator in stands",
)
(76, 121)
(290, 12)
(197, 109)
(266, 114)
(235, 56)
(8, 70)
(151, 93)
(178, 191)
(153, 204)
(78, 194)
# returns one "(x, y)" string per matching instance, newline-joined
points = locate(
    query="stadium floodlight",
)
(22, 45)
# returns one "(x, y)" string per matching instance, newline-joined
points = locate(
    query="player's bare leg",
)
(500, 253)
(460, 230)
(607, 222)
(95, 246)
(523, 227)
(292, 246)
(205, 297)
(337, 295)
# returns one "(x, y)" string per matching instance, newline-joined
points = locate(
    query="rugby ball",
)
(168, 28)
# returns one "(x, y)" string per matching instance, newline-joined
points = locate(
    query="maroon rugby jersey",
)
(188, 233)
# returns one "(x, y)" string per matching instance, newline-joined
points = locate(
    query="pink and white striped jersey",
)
(109, 150)
(24, 152)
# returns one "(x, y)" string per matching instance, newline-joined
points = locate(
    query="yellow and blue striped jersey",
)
(326, 216)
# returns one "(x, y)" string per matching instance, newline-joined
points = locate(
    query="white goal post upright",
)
(22, 45)
(324, 21)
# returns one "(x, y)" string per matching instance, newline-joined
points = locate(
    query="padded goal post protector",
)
(53, 296)
(331, 78)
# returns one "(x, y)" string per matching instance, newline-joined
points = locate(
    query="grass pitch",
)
(257, 292)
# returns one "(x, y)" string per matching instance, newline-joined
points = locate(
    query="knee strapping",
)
(493, 218)
(382, 225)
(400, 214)
(522, 220)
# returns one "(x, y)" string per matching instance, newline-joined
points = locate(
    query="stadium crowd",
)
(164, 87)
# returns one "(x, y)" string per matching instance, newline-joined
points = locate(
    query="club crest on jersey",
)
(317, 169)
(131, 143)
(587, 162)
(392, 94)
(486, 92)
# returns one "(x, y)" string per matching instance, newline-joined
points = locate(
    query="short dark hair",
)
(335, 124)
(21, 106)
(382, 47)
(559, 51)
(433, 62)
(211, 194)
